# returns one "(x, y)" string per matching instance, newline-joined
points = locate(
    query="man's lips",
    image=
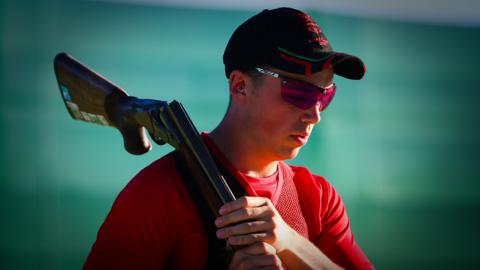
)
(301, 137)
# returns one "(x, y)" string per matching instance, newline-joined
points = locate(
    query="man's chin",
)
(291, 153)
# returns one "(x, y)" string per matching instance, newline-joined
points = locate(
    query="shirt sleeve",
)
(336, 239)
(328, 222)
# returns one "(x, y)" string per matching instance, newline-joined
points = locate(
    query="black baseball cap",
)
(287, 39)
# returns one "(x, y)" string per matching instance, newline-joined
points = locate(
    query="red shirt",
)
(153, 223)
(268, 187)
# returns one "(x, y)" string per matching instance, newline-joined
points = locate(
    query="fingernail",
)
(220, 233)
(232, 241)
(218, 222)
(221, 210)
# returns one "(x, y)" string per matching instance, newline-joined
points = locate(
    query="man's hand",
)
(248, 220)
(253, 221)
(258, 255)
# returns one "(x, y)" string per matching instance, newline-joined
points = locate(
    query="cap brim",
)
(345, 65)
(348, 66)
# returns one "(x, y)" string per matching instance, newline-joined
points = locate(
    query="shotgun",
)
(90, 97)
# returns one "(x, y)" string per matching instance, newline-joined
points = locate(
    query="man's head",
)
(280, 68)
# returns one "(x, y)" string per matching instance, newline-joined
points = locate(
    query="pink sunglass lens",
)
(300, 98)
(304, 96)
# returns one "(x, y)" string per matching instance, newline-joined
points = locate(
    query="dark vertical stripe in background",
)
(401, 146)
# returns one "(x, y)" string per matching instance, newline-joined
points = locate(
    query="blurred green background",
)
(401, 146)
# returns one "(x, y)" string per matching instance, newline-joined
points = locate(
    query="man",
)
(280, 69)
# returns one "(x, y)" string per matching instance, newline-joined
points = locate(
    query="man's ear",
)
(237, 83)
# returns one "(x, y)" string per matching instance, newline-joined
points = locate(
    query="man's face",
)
(279, 129)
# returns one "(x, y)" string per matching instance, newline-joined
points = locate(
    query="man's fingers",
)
(244, 228)
(259, 248)
(267, 260)
(244, 214)
(248, 239)
(256, 256)
(242, 202)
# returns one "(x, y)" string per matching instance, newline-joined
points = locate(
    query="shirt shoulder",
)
(150, 224)
(329, 222)
(161, 173)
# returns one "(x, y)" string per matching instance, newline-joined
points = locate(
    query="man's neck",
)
(241, 152)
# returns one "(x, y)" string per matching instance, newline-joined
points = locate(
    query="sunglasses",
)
(301, 94)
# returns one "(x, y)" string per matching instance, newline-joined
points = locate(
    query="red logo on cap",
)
(322, 40)
(312, 26)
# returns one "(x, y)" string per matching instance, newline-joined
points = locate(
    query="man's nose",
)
(312, 114)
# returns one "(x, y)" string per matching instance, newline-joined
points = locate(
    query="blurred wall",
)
(401, 146)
